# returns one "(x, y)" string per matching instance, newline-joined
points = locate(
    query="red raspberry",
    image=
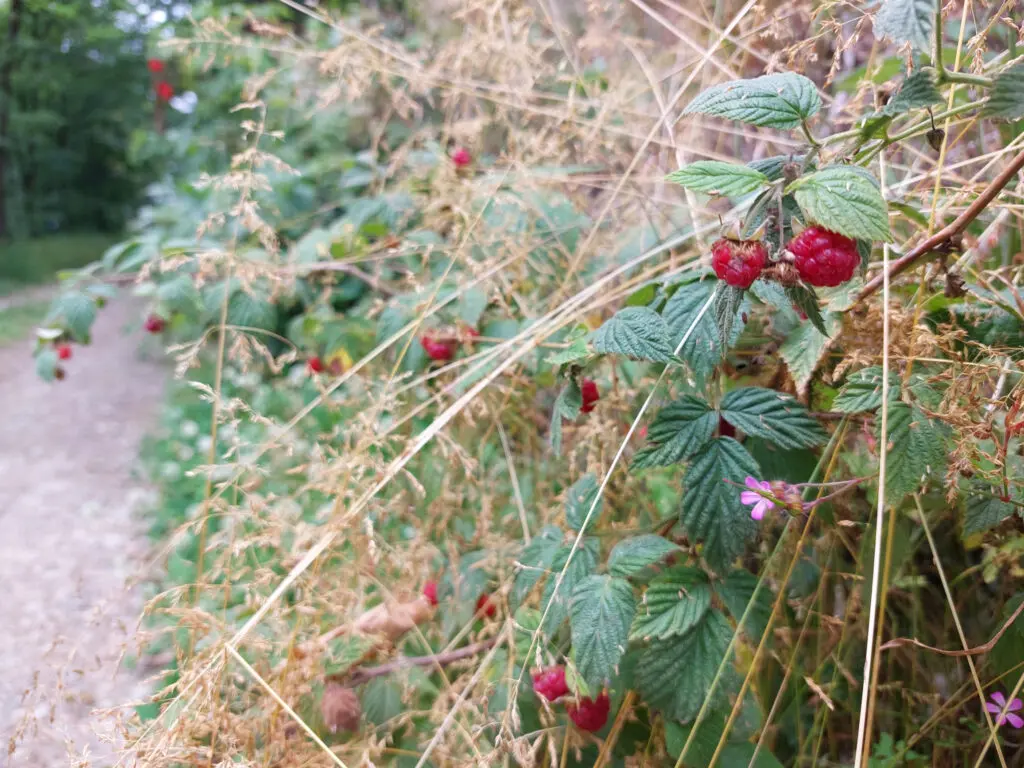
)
(154, 324)
(738, 262)
(437, 350)
(725, 429)
(550, 683)
(156, 66)
(64, 351)
(824, 258)
(315, 364)
(164, 91)
(430, 592)
(485, 606)
(590, 714)
(461, 157)
(590, 395)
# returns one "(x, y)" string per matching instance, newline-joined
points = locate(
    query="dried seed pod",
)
(340, 708)
(935, 138)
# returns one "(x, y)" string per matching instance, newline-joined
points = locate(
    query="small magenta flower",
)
(996, 706)
(756, 497)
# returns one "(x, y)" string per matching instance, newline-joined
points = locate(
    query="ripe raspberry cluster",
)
(588, 714)
(821, 257)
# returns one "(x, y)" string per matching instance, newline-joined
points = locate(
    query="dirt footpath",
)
(70, 539)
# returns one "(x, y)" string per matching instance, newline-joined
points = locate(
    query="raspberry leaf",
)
(907, 21)
(727, 306)
(675, 675)
(736, 592)
(567, 406)
(636, 332)
(578, 500)
(863, 391)
(46, 363)
(632, 557)
(773, 416)
(803, 349)
(917, 92)
(773, 166)
(703, 349)
(673, 604)
(382, 700)
(843, 199)
(535, 561)
(1006, 99)
(712, 513)
(775, 101)
(179, 294)
(805, 299)
(985, 510)
(678, 431)
(916, 448)
(718, 178)
(582, 564)
(77, 311)
(704, 744)
(602, 611)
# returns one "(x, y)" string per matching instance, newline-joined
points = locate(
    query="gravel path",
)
(70, 540)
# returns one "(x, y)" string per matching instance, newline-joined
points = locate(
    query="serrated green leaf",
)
(727, 304)
(917, 92)
(578, 500)
(842, 297)
(535, 561)
(46, 363)
(577, 350)
(774, 101)
(735, 591)
(567, 406)
(526, 623)
(804, 348)
(774, 416)
(636, 332)
(702, 744)
(773, 167)
(471, 306)
(382, 700)
(843, 199)
(582, 564)
(916, 448)
(631, 557)
(712, 513)
(602, 610)
(678, 431)
(345, 652)
(718, 178)
(1006, 99)
(78, 312)
(673, 604)
(806, 300)
(863, 391)
(907, 21)
(703, 348)
(179, 294)
(985, 510)
(675, 675)
(251, 310)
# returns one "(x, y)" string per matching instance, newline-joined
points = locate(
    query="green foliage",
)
(567, 406)
(736, 590)
(772, 101)
(579, 499)
(718, 178)
(916, 92)
(804, 348)
(805, 299)
(535, 561)
(711, 511)
(632, 557)
(679, 430)
(602, 610)
(863, 391)
(703, 349)
(985, 509)
(907, 21)
(843, 199)
(772, 415)
(1006, 100)
(577, 567)
(673, 604)
(916, 449)
(636, 332)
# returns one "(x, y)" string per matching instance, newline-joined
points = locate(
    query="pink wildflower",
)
(998, 703)
(756, 497)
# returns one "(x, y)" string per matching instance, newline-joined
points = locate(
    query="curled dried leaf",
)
(392, 620)
(340, 708)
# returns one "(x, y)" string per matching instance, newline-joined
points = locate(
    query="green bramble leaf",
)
(632, 557)
(77, 311)
(46, 363)
(251, 310)
(675, 675)
(774, 167)
(673, 604)
(471, 306)
(863, 391)
(728, 301)
(843, 199)
(774, 416)
(582, 564)
(345, 652)
(567, 406)
(773, 101)
(1006, 99)
(718, 178)
(535, 561)
(916, 448)
(712, 513)
(577, 349)
(678, 431)
(578, 500)
(985, 510)
(602, 610)
(805, 299)
(636, 332)
(704, 745)
(917, 92)
(703, 348)
(804, 348)
(735, 591)
(382, 700)
(907, 21)
(179, 294)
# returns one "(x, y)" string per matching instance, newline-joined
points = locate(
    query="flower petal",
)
(751, 482)
(764, 485)
(749, 497)
(1016, 705)
(1015, 720)
(759, 509)
(995, 709)
(999, 699)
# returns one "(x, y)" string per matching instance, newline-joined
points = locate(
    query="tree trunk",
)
(6, 98)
